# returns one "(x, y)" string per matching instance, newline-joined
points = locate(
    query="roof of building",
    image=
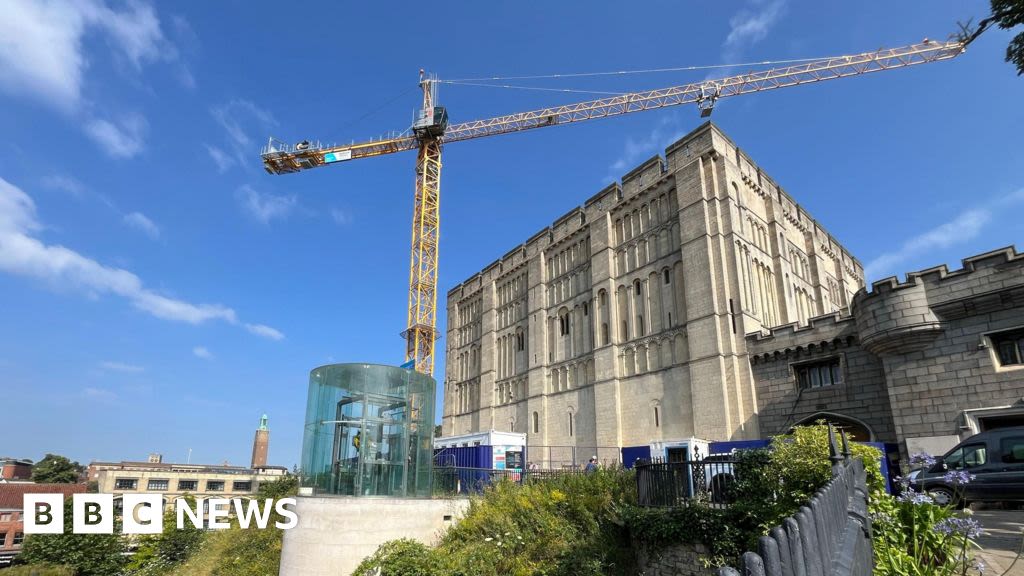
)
(172, 467)
(12, 495)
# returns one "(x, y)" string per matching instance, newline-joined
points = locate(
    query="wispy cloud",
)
(122, 138)
(751, 25)
(238, 118)
(101, 394)
(64, 184)
(668, 129)
(966, 226)
(202, 352)
(265, 331)
(340, 217)
(23, 254)
(141, 222)
(222, 159)
(42, 56)
(264, 206)
(111, 366)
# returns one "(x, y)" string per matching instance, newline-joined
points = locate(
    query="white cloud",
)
(751, 25)
(265, 207)
(139, 221)
(265, 331)
(202, 352)
(121, 367)
(42, 54)
(24, 255)
(99, 394)
(340, 216)
(668, 129)
(969, 224)
(65, 184)
(120, 139)
(222, 159)
(237, 118)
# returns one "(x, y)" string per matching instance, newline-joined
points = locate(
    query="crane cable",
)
(623, 72)
(540, 88)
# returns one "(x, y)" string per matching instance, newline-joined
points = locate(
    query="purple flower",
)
(957, 477)
(968, 527)
(980, 565)
(922, 459)
(915, 498)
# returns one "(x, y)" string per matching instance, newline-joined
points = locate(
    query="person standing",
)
(591, 466)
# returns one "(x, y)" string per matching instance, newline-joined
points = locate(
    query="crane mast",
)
(430, 130)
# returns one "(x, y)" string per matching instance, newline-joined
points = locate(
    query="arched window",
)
(636, 287)
(657, 417)
(668, 277)
(570, 424)
(536, 423)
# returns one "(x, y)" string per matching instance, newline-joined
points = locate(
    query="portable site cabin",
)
(490, 450)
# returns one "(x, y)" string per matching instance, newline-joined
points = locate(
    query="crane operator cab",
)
(431, 124)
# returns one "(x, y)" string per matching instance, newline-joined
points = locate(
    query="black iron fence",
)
(661, 483)
(458, 480)
(830, 536)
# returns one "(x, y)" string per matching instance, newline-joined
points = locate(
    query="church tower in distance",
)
(261, 444)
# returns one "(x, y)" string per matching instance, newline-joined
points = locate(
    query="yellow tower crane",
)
(431, 130)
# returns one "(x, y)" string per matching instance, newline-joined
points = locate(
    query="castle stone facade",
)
(925, 363)
(624, 321)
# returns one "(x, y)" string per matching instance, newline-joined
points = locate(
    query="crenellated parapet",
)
(821, 333)
(900, 317)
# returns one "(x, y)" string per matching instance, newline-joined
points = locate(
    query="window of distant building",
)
(157, 485)
(3, 539)
(536, 423)
(188, 485)
(5, 517)
(19, 537)
(126, 483)
(1009, 347)
(214, 485)
(241, 486)
(668, 277)
(819, 374)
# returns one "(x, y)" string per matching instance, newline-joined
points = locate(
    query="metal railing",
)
(830, 536)
(664, 484)
(457, 480)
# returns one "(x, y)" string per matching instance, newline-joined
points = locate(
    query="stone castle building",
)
(925, 363)
(624, 321)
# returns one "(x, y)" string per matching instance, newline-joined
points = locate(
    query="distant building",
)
(925, 363)
(261, 444)
(176, 480)
(12, 469)
(11, 522)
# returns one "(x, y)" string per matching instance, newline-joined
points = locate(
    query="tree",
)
(56, 469)
(437, 431)
(1008, 14)
(87, 554)
(283, 487)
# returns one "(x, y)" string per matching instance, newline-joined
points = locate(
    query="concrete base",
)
(335, 534)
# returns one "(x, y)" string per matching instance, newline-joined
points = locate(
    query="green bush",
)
(39, 570)
(801, 461)
(401, 558)
(567, 525)
(85, 554)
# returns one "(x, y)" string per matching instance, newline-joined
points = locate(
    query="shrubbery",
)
(563, 526)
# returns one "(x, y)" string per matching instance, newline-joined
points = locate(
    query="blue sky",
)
(159, 291)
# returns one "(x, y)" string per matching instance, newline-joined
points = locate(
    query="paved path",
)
(1001, 540)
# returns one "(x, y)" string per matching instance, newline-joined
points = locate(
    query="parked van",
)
(996, 460)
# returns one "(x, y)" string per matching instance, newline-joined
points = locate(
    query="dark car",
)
(995, 459)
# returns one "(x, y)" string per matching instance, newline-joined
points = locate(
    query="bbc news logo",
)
(144, 513)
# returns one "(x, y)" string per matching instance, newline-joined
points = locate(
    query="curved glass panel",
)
(368, 431)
